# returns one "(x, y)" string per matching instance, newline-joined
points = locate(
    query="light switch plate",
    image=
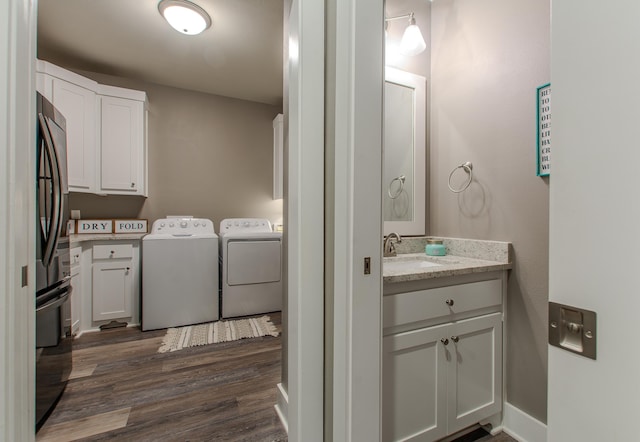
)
(573, 329)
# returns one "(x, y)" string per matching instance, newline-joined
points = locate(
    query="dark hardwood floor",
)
(122, 389)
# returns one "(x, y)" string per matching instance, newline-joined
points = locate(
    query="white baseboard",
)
(523, 427)
(282, 407)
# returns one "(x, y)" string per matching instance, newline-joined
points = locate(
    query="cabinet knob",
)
(133, 185)
(449, 302)
(445, 341)
(113, 252)
(129, 268)
(455, 339)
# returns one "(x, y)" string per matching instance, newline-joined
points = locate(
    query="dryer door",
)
(253, 262)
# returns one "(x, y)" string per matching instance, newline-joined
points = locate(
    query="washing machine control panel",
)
(182, 226)
(245, 225)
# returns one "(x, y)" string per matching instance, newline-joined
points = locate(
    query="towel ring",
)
(397, 193)
(467, 167)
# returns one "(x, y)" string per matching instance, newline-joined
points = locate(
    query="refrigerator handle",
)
(55, 225)
(55, 303)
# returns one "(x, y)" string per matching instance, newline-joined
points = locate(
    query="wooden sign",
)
(71, 227)
(94, 226)
(130, 225)
(544, 130)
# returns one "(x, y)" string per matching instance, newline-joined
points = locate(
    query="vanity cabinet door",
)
(475, 372)
(415, 385)
(441, 379)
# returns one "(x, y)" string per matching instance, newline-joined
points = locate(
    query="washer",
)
(251, 269)
(179, 277)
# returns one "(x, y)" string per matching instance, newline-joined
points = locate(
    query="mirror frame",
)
(417, 226)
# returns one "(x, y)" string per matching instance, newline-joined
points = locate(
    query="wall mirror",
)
(404, 147)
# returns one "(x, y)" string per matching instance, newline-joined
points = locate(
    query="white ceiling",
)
(239, 56)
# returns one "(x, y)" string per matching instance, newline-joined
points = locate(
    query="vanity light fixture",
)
(184, 16)
(412, 42)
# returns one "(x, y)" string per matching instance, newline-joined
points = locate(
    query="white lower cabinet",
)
(474, 384)
(414, 389)
(441, 378)
(112, 287)
(76, 288)
(115, 282)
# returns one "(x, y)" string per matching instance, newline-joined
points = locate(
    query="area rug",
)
(215, 332)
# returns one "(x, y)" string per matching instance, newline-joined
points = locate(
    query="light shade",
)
(412, 42)
(184, 16)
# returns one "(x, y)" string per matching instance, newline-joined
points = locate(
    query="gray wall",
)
(488, 58)
(209, 156)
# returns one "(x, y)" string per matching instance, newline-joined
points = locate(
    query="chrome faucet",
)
(389, 246)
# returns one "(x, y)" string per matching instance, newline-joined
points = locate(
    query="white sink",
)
(402, 264)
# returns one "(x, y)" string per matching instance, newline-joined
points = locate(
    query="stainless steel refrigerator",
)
(53, 289)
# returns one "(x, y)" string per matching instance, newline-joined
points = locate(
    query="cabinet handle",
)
(455, 339)
(445, 341)
(449, 302)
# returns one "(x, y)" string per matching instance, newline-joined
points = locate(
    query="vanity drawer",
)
(443, 302)
(112, 251)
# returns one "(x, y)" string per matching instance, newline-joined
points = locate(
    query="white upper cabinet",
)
(106, 132)
(75, 98)
(77, 104)
(123, 143)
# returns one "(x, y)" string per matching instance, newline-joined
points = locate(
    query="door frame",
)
(17, 225)
(334, 216)
(304, 219)
(354, 122)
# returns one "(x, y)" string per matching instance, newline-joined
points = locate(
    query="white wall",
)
(488, 57)
(595, 215)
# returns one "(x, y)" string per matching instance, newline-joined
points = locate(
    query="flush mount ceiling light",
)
(412, 42)
(184, 16)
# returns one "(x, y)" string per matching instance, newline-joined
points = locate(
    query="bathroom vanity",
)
(443, 320)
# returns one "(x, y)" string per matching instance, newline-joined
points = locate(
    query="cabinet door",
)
(475, 375)
(76, 285)
(44, 85)
(112, 288)
(76, 300)
(122, 146)
(414, 385)
(78, 105)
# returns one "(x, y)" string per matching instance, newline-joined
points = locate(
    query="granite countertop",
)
(104, 237)
(464, 256)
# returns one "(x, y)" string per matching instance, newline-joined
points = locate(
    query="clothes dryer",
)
(251, 268)
(179, 273)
